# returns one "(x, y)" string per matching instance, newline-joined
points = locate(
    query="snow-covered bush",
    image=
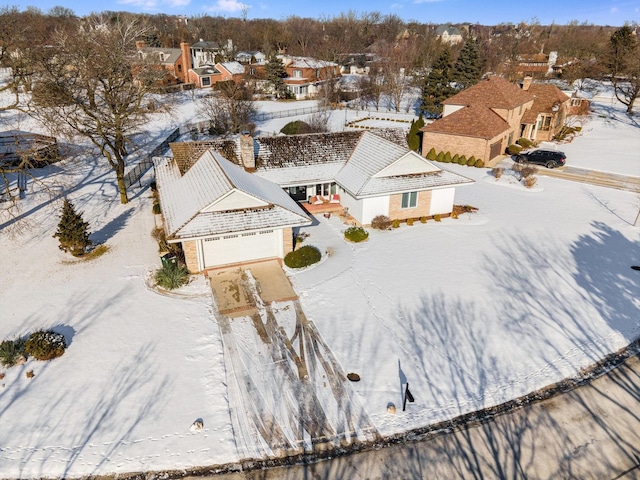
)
(45, 345)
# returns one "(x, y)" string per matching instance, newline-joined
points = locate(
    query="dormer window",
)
(297, 74)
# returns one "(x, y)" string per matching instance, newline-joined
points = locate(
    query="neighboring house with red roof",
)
(305, 76)
(208, 75)
(235, 200)
(483, 120)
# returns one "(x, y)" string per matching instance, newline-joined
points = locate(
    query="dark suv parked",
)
(548, 158)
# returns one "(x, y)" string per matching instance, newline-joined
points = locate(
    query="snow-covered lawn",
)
(471, 312)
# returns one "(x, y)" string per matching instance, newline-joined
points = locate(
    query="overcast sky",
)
(598, 12)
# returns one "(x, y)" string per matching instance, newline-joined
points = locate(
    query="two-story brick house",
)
(483, 120)
(305, 76)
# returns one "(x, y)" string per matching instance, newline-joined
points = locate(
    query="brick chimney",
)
(247, 153)
(186, 61)
(526, 83)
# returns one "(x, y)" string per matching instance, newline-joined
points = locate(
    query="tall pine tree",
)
(467, 70)
(73, 232)
(276, 74)
(437, 85)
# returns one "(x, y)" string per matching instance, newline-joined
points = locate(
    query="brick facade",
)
(190, 250)
(287, 240)
(422, 208)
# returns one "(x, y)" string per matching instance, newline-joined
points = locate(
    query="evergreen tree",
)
(437, 85)
(73, 232)
(413, 138)
(276, 73)
(468, 66)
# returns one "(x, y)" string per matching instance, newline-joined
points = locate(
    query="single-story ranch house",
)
(236, 200)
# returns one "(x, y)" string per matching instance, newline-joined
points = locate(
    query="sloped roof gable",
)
(373, 155)
(188, 201)
(492, 92)
(472, 121)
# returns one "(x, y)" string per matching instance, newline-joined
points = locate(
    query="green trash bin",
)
(168, 260)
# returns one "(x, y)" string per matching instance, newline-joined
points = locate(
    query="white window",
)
(409, 200)
(297, 74)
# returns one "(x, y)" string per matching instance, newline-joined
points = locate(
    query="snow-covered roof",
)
(234, 68)
(357, 161)
(370, 170)
(189, 201)
(206, 70)
(306, 62)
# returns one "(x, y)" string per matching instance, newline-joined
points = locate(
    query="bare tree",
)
(92, 83)
(230, 109)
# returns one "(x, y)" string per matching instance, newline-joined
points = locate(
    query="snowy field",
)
(471, 312)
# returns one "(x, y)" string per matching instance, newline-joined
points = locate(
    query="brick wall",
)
(287, 237)
(191, 255)
(466, 146)
(421, 210)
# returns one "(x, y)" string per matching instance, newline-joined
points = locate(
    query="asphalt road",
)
(591, 432)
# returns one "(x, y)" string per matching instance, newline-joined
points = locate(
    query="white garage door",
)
(241, 248)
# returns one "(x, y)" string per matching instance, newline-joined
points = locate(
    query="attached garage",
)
(241, 247)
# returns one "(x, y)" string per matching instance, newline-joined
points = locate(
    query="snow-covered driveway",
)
(287, 392)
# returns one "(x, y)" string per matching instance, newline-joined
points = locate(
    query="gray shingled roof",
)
(184, 197)
(171, 55)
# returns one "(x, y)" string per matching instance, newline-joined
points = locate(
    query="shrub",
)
(527, 171)
(479, 163)
(497, 171)
(409, 221)
(11, 351)
(45, 345)
(440, 156)
(530, 181)
(423, 219)
(395, 223)
(172, 276)
(156, 209)
(462, 161)
(302, 257)
(447, 157)
(381, 222)
(437, 217)
(462, 158)
(455, 158)
(432, 154)
(524, 142)
(471, 162)
(514, 149)
(471, 158)
(356, 234)
(294, 128)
